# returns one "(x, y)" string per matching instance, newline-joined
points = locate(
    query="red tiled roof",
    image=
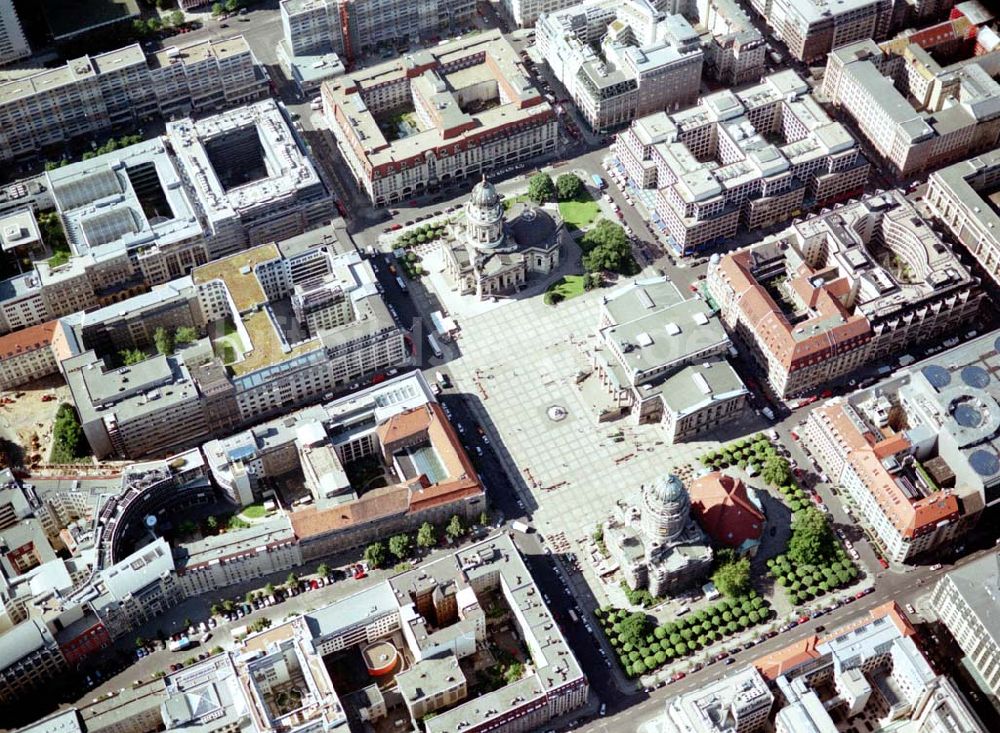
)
(774, 330)
(27, 339)
(460, 483)
(723, 509)
(777, 663)
(909, 517)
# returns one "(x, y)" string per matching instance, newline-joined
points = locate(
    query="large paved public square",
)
(524, 358)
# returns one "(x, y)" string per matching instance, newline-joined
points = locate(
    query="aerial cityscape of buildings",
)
(524, 366)
(446, 113)
(746, 159)
(647, 61)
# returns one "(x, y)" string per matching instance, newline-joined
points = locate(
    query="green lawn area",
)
(511, 200)
(229, 346)
(568, 286)
(579, 213)
(254, 511)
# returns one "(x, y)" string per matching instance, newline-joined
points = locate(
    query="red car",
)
(803, 619)
(359, 572)
(795, 436)
(826, 393)
(883, 563)
(859, 594)
(677, 676)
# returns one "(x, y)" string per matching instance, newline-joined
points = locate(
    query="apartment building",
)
(250, 175)
(352, 29)
(376, 423)
(663, 359)
(746, 159)
(235, 558)
(962, 196)
(150, 213)
(135, 410)
(965, 600)
(94, 95)
(435, 614)
(917, 113)
(647, 60)
(473, 110)
(33, 353)
(252, 360)
(738, 703)
(872, 670)
(735, 53)
(812, 28)
(862, 282)
(13, 44)
(280, 366)
(917, 453)
(29, 658)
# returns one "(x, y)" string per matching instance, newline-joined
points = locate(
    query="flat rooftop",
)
(237, 272)
(112, 202)
(127, 392)
(19, 228)
(266, 345)
(493, 60)
(195, 53)
(80, 16)
(966, 183)
(207, 147)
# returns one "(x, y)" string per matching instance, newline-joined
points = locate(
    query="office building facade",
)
(476, 111)
(648, 60)
(750, 159)
(819, 300)
(117, 90)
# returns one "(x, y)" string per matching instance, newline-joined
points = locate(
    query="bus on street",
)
(435, 346)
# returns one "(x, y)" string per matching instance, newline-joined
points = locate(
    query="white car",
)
(936, 566)
(910, 609)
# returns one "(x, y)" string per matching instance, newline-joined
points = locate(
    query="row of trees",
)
(165, 342)
(640, 596)
(642, 646)
(400, 546)
(109, 146)
(68, 441)
(757, 451)
(425, 233)
(567, 187)
(229, 6)
(228, 605)
(149, 26)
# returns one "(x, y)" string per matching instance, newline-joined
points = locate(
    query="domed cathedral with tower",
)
(656, 542)
(490, 253)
